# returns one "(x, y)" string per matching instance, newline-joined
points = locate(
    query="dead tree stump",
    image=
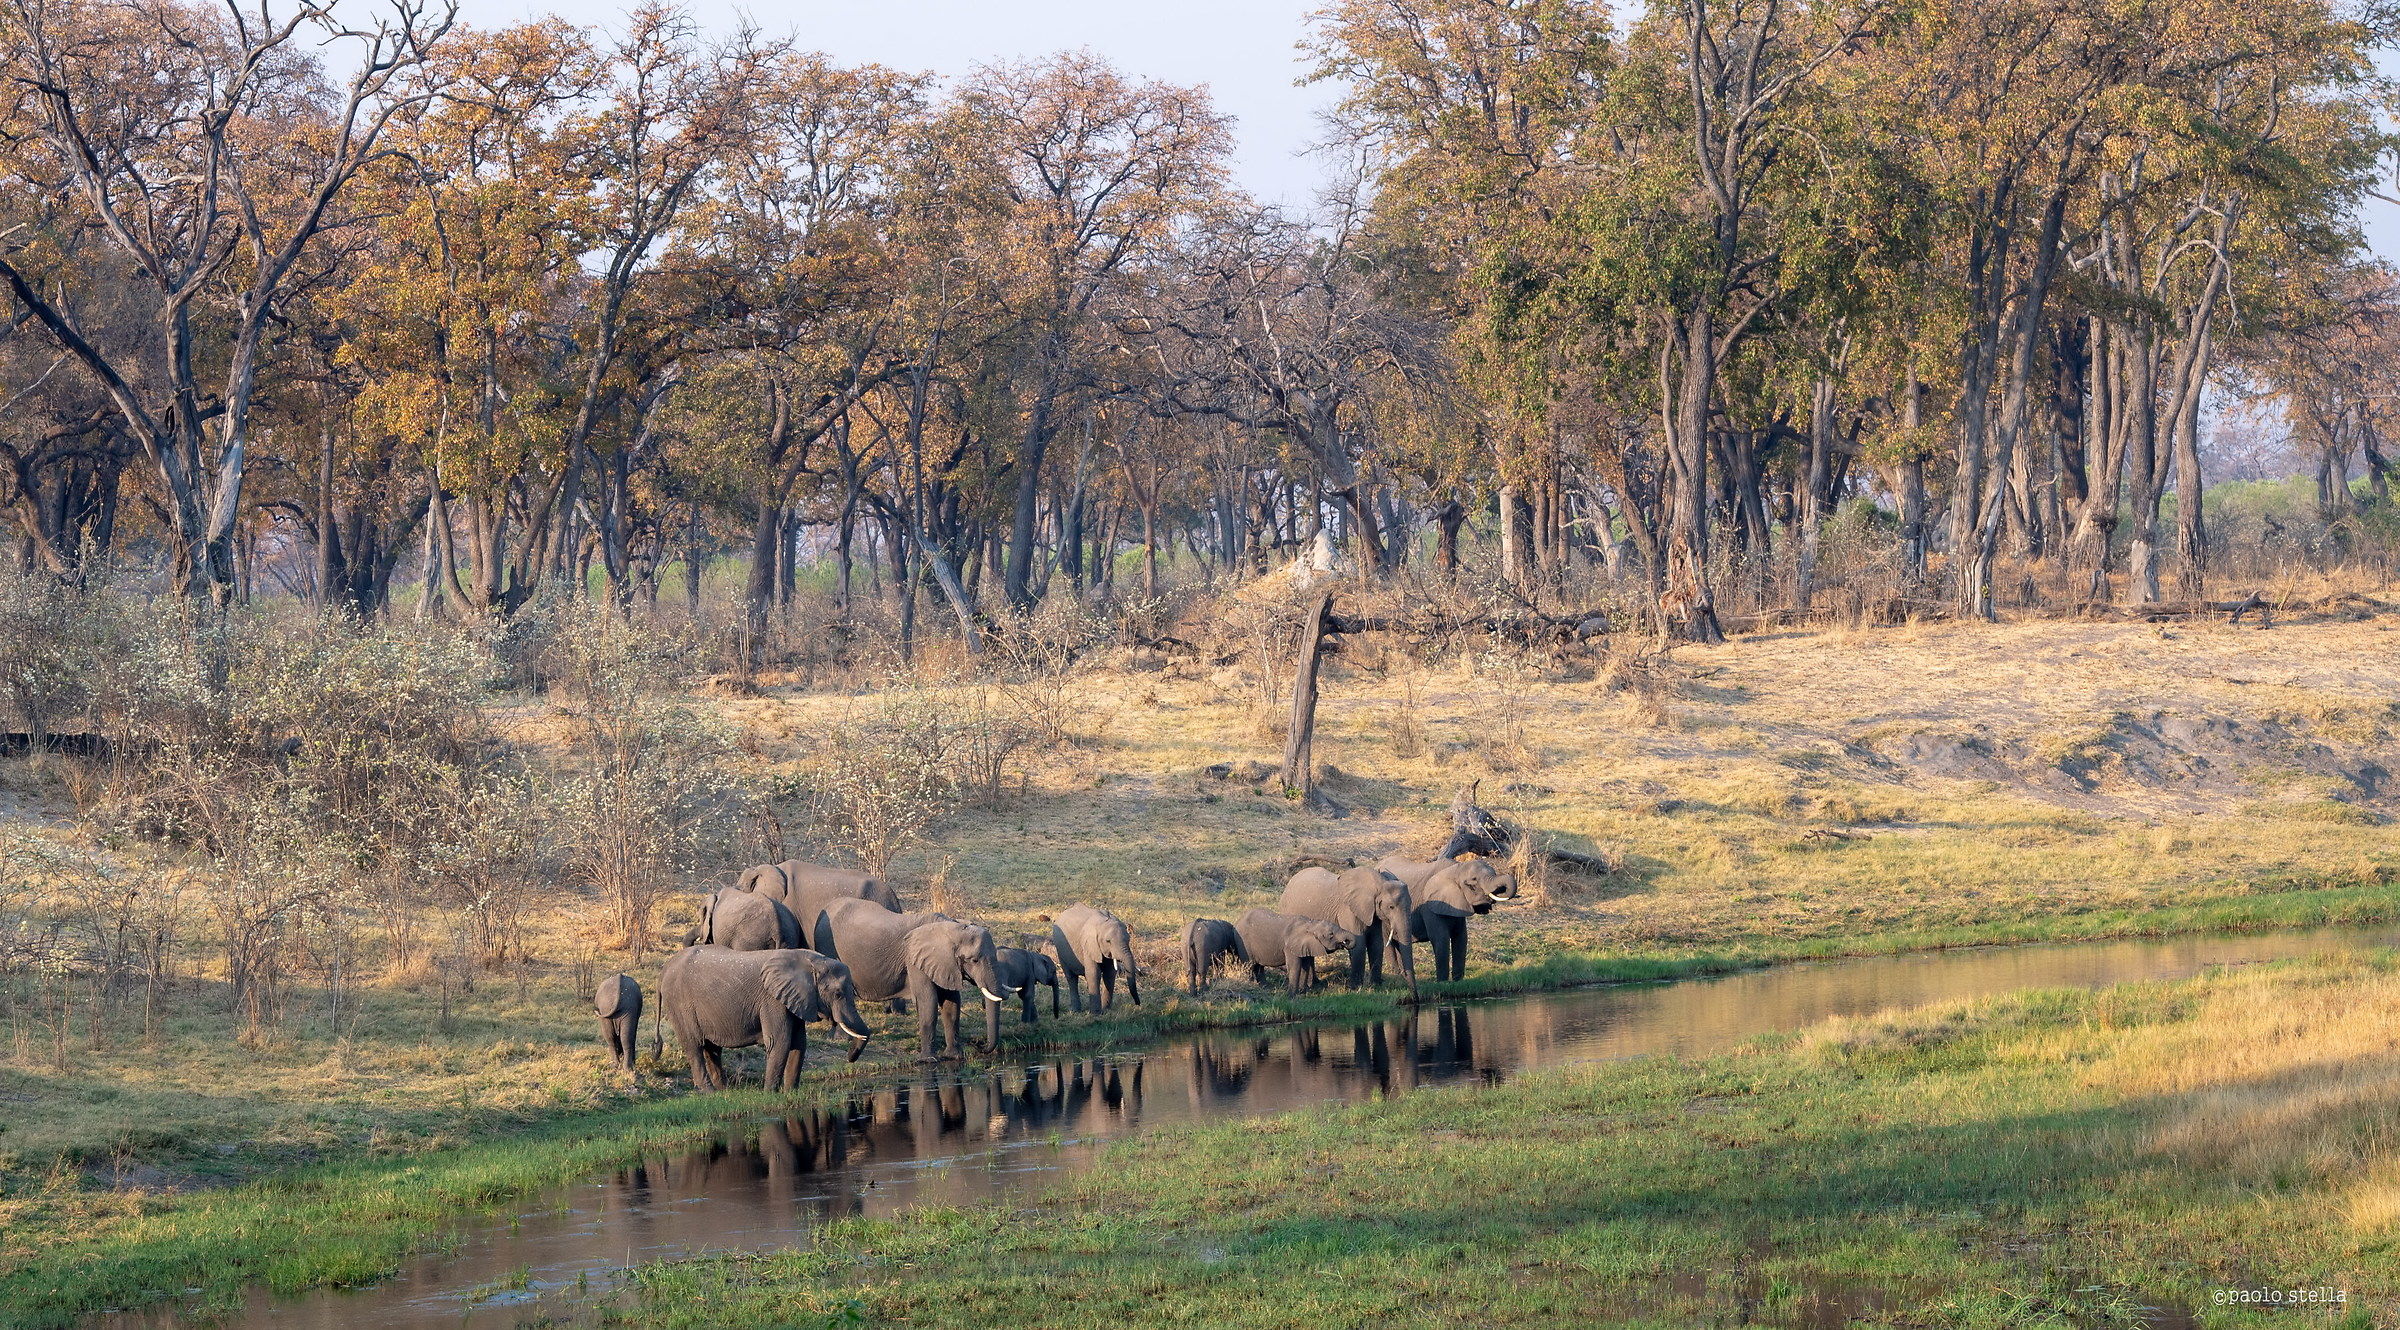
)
(1299, 770)
(1473, 830)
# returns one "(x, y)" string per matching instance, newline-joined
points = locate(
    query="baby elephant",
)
(1290, 943)
(1095, 943)
(619, 1002)
(1023, 971)
(1205, 942)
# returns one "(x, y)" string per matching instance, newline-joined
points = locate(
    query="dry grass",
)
(1704, 773)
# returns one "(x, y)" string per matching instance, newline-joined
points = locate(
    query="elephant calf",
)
(1206, 942)
(718, 998)
(1023, 971)
(1291, 943)
(1095, 943)
(619, 1002)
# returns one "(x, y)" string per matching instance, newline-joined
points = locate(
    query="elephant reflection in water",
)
(803, 1145)
(1219, 1073)
(1066, 1096)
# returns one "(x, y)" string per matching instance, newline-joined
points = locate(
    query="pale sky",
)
(1243, 50)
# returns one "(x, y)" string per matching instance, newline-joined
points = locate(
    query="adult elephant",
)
(1025, 971)
(1447, 892)
(1205, 942)
(1092, 942)
(1291, 943)
(619, 1002)
(806, 889)
(1372, 904)
(718, 998)
(931, 959)
(743, 921)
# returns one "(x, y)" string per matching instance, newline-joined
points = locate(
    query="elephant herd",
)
(796, 942)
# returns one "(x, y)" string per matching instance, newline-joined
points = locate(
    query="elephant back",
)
(1321, 894)
(1261, 934)
(1414, 872)
(872, 941)
(618, 995)
(749, 921)
(768, 880)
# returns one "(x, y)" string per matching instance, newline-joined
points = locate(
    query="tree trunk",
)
(1299, 770)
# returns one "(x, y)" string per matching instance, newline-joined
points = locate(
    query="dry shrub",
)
(1641, 674)
(662, 795)
(1404, 724)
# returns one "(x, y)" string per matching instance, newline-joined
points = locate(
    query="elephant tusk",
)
(990, 995)
(859, 1035)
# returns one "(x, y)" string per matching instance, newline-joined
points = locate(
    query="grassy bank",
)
(352, 1220)
(2050, 1159)
(343, 1222)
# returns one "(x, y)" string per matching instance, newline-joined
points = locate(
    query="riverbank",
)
(2151, 1154)
(351, 1220)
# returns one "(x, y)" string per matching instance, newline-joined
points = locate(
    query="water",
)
(960, 1138)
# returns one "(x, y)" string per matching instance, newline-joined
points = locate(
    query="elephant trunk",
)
(991, 1025)
(1133, 981)
(847, 1019)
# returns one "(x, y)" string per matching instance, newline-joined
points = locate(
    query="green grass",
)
(356, 1219)
(345, 1222)
(2050, 1159)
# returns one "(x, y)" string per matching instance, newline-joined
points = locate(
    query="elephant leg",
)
(1054, 1001)
(951, 1048)
(1298, 975)
(1104, 985)
(1374, 945)
(1458, 951)
(928, 1010)
(1258, 974)
(1358, 963)
(1025, 1002)
(699, 1061)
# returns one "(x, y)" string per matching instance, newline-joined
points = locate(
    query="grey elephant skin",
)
(931, 959)
(1095, 944)
(1447, 893)
(1292, 943)
(1370, 903)
(718, 998)
(619, 1002)
(741, 921)
(1206, 942)
(806, 889)
(1023, 971)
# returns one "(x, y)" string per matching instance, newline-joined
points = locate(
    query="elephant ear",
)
(793, 984)
(708, 917)
(767, 877)
(933, 953)
(611, 998)
(1045, 970)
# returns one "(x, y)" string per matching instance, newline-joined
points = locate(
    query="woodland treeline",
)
(1679, 312)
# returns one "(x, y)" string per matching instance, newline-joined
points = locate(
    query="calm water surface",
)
(955, 1138)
